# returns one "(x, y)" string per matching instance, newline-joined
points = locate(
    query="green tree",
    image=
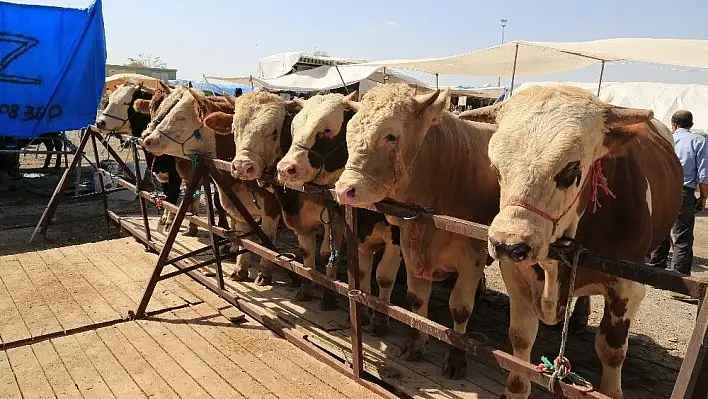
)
(146, 60)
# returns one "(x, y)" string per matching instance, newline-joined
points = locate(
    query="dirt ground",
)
(661, 321)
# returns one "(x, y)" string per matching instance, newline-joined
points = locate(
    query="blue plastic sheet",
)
(52, 68)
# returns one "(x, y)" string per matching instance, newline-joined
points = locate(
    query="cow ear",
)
(142, 106)
(432, 105)
(200, 105)
(619, 116)
(622, 126)
(486, 114)
(220, 122)
(293, 106)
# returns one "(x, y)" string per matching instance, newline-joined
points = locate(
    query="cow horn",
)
(423, 101)
(621, 116)
(486, 114)
(353, 96)
(229, 99)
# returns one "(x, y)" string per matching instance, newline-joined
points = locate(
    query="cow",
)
(121, 115)
(261, 131)
(177, 128)
(408, 148)
(52, 141)
(129, 100)
(556, 151)
(317, 155)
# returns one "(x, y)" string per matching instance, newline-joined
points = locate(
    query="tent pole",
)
(513, 69)
(602, 72)
(250, 80)
(437, 81)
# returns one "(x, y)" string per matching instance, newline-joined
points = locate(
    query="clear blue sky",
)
(227, 37)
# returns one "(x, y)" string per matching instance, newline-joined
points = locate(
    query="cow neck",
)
(451, 172)
(138, 121)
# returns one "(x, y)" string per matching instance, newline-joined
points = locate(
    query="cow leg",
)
(385, 277)
(329, 297)
(523, 327)
(306, 243)
(580, 315)
(418, 296)
(366, 264)
(270, 228)
(223, 219)
(461, 305)
(193, 229)
(243, 261)
(58, 146)
(49, 146)
(621, 305)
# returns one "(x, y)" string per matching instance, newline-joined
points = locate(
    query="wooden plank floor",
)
(643, 377)
(63, 335)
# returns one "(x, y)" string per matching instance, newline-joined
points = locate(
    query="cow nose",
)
(346, 195)
(243, 169)
(146, 142)
(291, 171)
(100, 124)
(517, 252)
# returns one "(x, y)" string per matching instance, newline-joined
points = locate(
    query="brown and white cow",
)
(178, 129)
(318, 155)
(183, 167)
(408, 148)
(261, 131)
(551, 149)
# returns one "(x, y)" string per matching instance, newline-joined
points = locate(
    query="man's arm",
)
(702, 174)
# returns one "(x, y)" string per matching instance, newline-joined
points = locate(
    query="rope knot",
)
(599, 181)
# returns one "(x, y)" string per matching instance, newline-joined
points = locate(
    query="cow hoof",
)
(329, 300)
(379, 330)
(295, 279)
(209, 273)
(240, 275)
(413, 355)
(263, 280)
(303, 295)
(191, 233)
(455, 366)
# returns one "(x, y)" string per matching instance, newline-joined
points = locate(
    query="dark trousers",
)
(683, 233)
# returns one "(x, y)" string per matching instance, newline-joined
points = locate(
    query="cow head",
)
(544, 150)
(383, 139)
(177, 126)
(258, 122)
(318, 152)
(119, 111)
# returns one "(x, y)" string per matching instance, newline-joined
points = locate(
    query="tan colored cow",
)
(551, 150)
(261, 132)
(178, 129)
(318, 155)
(408, 148)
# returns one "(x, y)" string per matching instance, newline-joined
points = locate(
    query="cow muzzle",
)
(243, 170)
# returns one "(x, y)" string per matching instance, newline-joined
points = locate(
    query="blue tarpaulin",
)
(216, 87)
(52, 68)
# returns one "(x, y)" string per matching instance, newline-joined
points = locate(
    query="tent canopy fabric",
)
(241, 80)
(327, 78)
(53, 68)
(662, 98)
(277, 65)
(538, 58)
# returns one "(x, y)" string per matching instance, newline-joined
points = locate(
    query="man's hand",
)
(700, 204)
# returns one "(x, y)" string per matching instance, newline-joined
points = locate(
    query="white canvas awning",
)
(241, 80)
(537, 58)
(327, 78)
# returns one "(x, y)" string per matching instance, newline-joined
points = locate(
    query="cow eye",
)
(274, 135)
(390, 138)
(570, 175)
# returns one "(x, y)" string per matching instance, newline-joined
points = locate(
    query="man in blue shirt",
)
(692, 151)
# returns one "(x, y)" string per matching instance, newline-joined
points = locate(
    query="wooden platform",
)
(63, 335)
(645, 375)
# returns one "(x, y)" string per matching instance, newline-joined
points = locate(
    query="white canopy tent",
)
(538, 58)
(329, 77)
(663, 98)
(524, 58)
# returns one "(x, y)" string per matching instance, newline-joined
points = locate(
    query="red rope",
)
(599, 181)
